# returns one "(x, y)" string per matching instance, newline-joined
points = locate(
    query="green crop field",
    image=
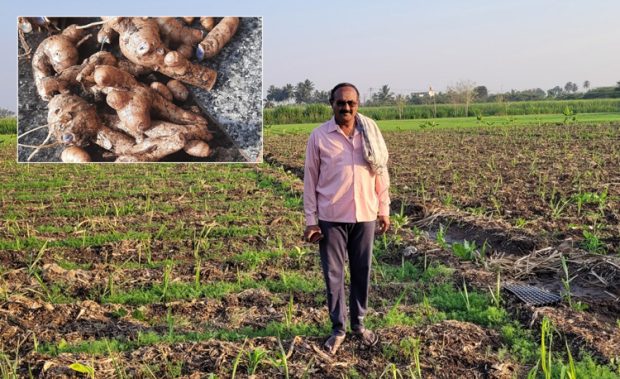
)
(463, 122)
(8, 125)
(295, 114)
(180, 270)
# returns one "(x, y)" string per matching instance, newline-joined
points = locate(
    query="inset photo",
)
(140, 89)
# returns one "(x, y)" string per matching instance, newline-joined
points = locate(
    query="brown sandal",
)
(333, 343)
(367, 336)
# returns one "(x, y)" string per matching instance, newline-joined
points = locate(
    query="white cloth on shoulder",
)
(375, 150)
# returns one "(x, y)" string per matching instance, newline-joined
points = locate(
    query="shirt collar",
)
(333, 127)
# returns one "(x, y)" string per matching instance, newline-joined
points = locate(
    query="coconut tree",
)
(384, 96)
(303, 91)
(288, 91)
(586, 85)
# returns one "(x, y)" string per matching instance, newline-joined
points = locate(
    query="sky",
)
(408, 45)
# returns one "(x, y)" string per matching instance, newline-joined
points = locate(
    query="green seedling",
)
(426, 306)
(197, 269)
(255, 358)
(170, 323)
(520, 223)
(546, 340)
(237, 360)
(441, 237)
(411, 348)
(197, 264)
(281, 360)
(288, 313)
(569, 115)
(399, 220)
(566, 282)
(35, 343)
(166, 280)
(465, 296)
(33, 266)
(417, 233)
(391, 371)
(117, 211)
(581, 199)
(496, 294)
(599, 199)
(299, 254)
(44, 287)
(148, 251)
(9, 367)
(592, 243)
(160, 232)
(483, 251)
(378, 270)
(110, 287)
(447, 199)
(174, 369)
(83, 369)
(557, 204)
(466, 250)
(422, 193)
(382, 247)
(572, 371)
(239, 277)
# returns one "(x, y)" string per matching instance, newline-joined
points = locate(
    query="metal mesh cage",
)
(532, 295)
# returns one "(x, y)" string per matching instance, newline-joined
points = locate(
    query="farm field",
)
(534, 202)
(561, 181)
(292, 114)
(462, 122)
(164, 270)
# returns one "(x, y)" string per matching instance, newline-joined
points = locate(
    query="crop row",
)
(297, 114)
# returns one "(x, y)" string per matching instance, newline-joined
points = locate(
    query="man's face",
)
(345, 105)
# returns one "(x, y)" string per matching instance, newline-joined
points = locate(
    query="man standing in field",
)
(346, 200)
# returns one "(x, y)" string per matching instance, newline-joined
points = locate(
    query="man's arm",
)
(382, 187)
(311, 178)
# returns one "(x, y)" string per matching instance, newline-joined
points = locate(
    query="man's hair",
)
(340, 85)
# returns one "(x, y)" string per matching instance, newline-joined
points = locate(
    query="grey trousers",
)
(341, 241)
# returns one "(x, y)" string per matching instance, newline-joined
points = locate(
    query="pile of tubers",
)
(105, 100)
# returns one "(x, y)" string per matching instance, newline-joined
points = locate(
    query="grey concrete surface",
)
(236, 99)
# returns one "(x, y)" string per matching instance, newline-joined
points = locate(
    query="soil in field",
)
(185, 270)
(517, 194)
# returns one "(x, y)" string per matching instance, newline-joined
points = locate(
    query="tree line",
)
(463, 92)
(302, 93)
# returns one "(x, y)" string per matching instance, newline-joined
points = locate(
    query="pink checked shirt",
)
(338, 183)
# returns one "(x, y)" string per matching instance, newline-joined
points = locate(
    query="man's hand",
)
(310, 231)
(383, 224)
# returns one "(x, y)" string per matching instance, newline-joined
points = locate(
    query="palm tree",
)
(586, 85)
(303, 91)
(288, 91)
(384, 96)
(320, 97)
(272, 92)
